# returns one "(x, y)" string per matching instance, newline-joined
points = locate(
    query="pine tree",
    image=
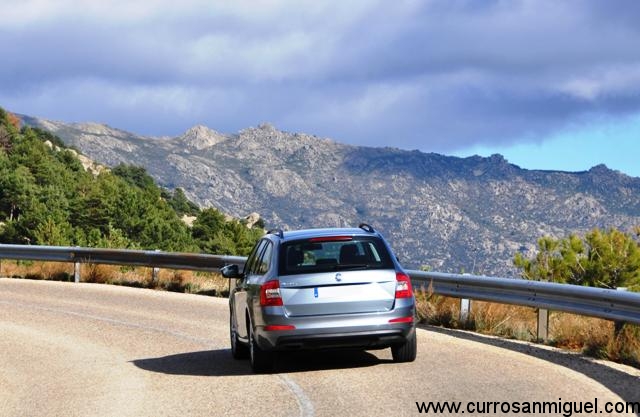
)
(608, 259)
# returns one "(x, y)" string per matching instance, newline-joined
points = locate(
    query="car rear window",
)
(333, 253)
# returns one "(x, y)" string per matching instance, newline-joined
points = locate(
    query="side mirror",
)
(230, 271)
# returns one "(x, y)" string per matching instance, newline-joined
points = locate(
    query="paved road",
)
(95, 350)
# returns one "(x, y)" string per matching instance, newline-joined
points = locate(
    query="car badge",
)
(338, 277)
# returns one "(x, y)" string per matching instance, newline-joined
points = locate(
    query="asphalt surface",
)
(95, 350)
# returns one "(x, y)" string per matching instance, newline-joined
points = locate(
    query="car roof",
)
(333, 231)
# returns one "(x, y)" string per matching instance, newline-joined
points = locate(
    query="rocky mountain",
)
(452, 214)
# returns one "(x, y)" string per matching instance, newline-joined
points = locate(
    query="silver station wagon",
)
(320, 289)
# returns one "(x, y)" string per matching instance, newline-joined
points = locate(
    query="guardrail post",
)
(155, 271)
(618, 325)
(543, 324)
(465, 310)
(76, 272)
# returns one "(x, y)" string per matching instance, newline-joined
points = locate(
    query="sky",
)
(550, 84)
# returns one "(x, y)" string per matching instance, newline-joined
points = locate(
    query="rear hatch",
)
(336, 275)
(343, 292)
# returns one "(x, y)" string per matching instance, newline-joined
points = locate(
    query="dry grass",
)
(54, 271)
(205, 283)
(510, 321)
(436, 309)
(591, 336)
(596, 337)
(515, 322)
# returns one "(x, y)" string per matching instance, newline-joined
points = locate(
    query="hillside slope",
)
(52, 195)
(453, 214)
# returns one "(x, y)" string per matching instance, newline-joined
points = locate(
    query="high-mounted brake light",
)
(331, 239)
(270, 294)
(403, 286)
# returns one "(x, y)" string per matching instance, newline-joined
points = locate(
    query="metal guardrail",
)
(588, 301)
(596, 302)
(154, 259)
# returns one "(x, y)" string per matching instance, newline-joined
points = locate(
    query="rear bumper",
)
(367, 331)
(351, 340)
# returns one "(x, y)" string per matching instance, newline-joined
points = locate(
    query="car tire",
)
(262, 361)
(407, 351)
(238, 349)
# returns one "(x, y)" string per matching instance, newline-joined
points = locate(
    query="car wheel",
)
(238, 349)
(262, 361)
(407, 351)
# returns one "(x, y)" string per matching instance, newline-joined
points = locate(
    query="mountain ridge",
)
(450, 213)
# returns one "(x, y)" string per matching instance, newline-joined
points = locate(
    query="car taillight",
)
(403, 286)
(270, 294)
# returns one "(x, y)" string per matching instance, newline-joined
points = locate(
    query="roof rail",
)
(367, 228)
(278, 232)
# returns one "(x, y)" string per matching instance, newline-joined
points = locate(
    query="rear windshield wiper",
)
(353, 266)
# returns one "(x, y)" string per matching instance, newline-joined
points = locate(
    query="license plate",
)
(329, 292)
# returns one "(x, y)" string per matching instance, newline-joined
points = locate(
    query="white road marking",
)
(305, 404)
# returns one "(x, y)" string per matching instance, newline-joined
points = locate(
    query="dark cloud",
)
(438, 75)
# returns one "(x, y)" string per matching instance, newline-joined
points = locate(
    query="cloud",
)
(436, 75)
(603, 82)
